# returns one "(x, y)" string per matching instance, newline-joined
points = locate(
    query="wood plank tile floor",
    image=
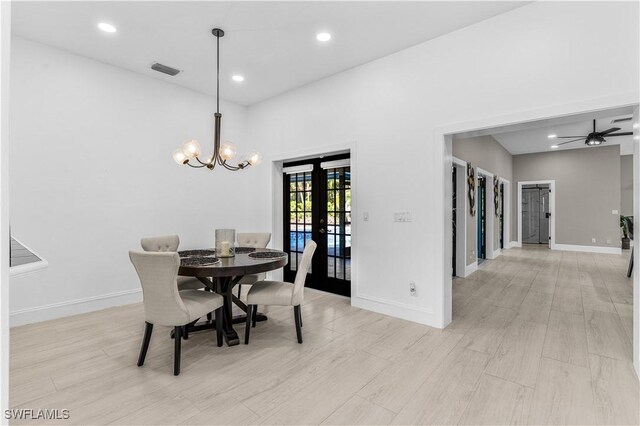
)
(538, 337)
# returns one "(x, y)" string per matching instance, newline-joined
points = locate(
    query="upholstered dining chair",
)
(256, 240)
(165, 305)
(280, 294)
(170, 243)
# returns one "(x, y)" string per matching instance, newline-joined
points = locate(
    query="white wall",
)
(5, 47)
(92, 173)
(530, 58)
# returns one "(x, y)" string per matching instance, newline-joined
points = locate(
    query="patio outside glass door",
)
(317, 206)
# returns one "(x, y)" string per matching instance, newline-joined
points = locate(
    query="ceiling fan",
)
(594, 138)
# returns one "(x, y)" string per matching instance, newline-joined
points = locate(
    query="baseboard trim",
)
(587, 249)
(515, 244)
(496, 253)
(470, 269)
(73, 307)
(396, 309)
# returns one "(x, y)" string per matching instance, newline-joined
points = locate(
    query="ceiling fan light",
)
(594, 141)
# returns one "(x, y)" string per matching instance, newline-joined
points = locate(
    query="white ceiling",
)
(272, 44)
(537, 140)
(526, 138)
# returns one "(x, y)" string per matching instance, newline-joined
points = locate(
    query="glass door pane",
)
(338, 229)
(300, 217)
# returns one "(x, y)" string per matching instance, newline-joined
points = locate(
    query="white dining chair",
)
(280, 293)
(254, 240)
(171, 243)
(165, 305)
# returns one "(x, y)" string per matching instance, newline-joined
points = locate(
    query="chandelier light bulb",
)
(227, 151)
(179, 157)
(254, 158)
(191, 148)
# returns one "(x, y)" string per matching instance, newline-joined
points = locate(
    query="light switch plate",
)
(402, 217)
(614, 211)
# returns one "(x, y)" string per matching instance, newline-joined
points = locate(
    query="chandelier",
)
(223, 153)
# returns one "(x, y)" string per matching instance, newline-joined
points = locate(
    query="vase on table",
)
(225, 242)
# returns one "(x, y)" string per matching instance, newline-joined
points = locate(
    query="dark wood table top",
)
(240, 264)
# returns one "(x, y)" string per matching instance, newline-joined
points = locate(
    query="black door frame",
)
(454, 216)
(482, 218)
(318, 278)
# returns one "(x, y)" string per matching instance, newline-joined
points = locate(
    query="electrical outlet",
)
(593, 240)
(614, 211)
(412, 289)
(365, 216)
(608, 241)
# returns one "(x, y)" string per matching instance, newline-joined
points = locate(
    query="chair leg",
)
(209, 317)
(254, 316)
(219, 313)
(630, 269)
(300, 315)
(298, 318)
(247, 328)
(185, 332)
(239, 290)
(176, 355)
(148, 329)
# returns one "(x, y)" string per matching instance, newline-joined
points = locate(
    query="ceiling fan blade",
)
(611, 130)
(575, 140)
(620, 134)
(569, 137)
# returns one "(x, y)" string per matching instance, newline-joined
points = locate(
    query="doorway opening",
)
(317, 206)
(454, 217)
(536, 214)
(501, 216)
(482, 219)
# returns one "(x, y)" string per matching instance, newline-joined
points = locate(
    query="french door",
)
(317, 206)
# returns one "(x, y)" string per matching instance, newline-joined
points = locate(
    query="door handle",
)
(321, 230)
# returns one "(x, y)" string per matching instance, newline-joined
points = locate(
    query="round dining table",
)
(221, 274)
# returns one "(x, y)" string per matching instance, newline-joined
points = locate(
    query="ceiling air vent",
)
(621, 120)
(164, 69)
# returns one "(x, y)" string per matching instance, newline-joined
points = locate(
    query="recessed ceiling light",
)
(554, 147)
(323, 36)
(637, 138)
(636, 125)
(107, 28)
(552, 136)
(237, 78)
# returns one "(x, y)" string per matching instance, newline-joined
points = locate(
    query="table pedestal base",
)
(224, 287)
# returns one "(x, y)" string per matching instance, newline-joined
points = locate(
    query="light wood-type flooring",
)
(538, 337)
